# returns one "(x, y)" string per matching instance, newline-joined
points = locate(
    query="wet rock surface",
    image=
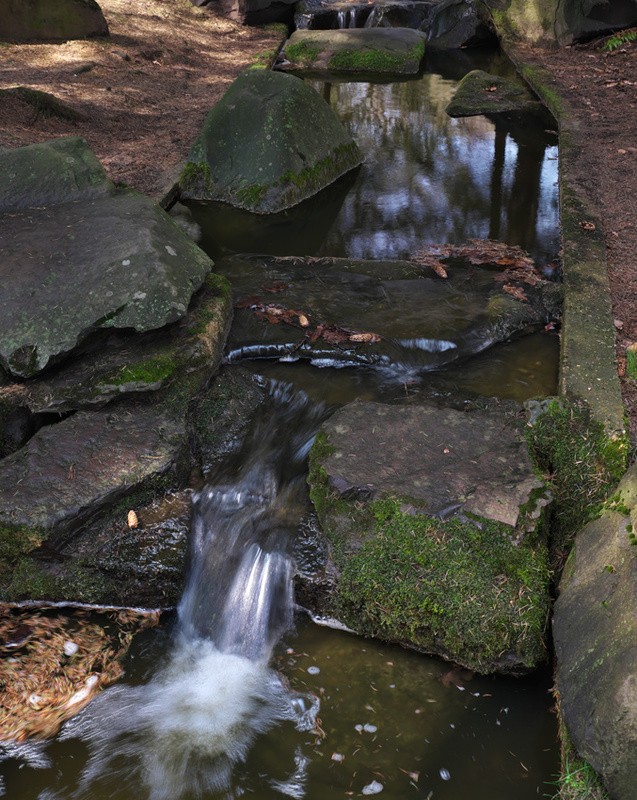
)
(445, 461)
(397, 51)
(42, 20)
(268, 144)
(595, 634)
(116, 261)
(460, 23)
(482, 93)
(397, 316)
(434, 519)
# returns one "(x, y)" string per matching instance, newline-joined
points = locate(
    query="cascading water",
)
(347, 18)
(181, 734)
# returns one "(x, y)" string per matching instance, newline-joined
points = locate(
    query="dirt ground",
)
(143, 93)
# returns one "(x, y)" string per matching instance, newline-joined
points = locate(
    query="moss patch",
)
(153, 370)
(303, 53)
(582, 464)
(459, 588)
(374, 60)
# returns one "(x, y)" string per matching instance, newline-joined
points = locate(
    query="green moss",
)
(311, 179)
(153, 370)
(374, 60)
(196, 178)
(582, 464)
(539, 81)
(302, 53)
(251, 196)
(18, 540)
(461, 588)
(577, 779)
(32, 580)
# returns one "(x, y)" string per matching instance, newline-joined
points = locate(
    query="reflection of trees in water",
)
(429, 178)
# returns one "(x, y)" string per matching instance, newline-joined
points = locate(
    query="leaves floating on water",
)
(275, 313)
(273, 288)
(54, 663)
(478, 252)
(425, 258)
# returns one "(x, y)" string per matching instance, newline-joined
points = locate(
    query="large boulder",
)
(393, 51)
(434, 519)
(252, 12)
(269, 143)
(329, 14)
(114, 262)
(564, 21)
(595, 633)
(460, 23)
(397, 316)
(50, 20)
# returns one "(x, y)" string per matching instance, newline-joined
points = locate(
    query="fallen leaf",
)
(491, 89)
(516, 292)
(273, 288)
(304, 322)
(587, 226)
(248, 302)
(366, 338)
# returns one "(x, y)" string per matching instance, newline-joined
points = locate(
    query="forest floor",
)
(143, 92)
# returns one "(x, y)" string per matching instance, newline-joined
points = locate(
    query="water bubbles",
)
(313, 670)
(372, 788)
(445, 774)
(367, 728)
(338, 757)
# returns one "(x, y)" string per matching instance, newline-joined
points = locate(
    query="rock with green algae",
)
(59, 171)
(595, 635)
(269, 143)
(482, 93)
(393, 51)
(435, 523)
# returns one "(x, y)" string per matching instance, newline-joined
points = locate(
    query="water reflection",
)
(428, 178)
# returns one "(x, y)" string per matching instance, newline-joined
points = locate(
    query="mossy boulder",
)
(435, 523)
(482, 93)
(269, 143)
(60, 171)
(50, 20)
(595, 634)
(388, 51)
(113, 262)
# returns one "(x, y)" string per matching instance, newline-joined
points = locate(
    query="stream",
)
(241, 694)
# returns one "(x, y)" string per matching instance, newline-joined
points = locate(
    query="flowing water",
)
(225, 703)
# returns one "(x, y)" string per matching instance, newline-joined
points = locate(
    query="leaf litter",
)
(54, 662)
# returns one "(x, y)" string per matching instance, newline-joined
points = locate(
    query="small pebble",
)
(70, 648)
(338, 757)
(313, 670)
(373, 788)
(370, 728)
(445, 774)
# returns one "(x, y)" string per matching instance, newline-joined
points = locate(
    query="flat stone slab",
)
(70, 471)
(397, 51)
(116, 261)
(480, 92)
(269, 143)
(595, 635)
(445, 461)
(60, 171)
(391, 315)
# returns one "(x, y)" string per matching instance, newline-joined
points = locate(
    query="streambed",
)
(395, 723)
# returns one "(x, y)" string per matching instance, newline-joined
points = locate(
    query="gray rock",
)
(406, 306)
(60, 171)
(595, 634)
(330, 14)
(460, 23)
(435, 523)
(482, 93)
(117, 261)
(268, 144)
(254, 12)
(51, 20)
(389, 51)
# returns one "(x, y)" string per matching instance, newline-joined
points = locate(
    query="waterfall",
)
(347, 18)
(181, 734)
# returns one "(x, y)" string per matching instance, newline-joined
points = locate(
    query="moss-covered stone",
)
(268, 144)
(482, 93)
(366, 50)
(583, 465)
(41, 20)
(460, 585)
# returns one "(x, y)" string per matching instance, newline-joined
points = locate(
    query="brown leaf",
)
(516, 292)
(248, 302)
(365, 338)
(304, 322)
(335, 335)
(273, 288)
(587, 226)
